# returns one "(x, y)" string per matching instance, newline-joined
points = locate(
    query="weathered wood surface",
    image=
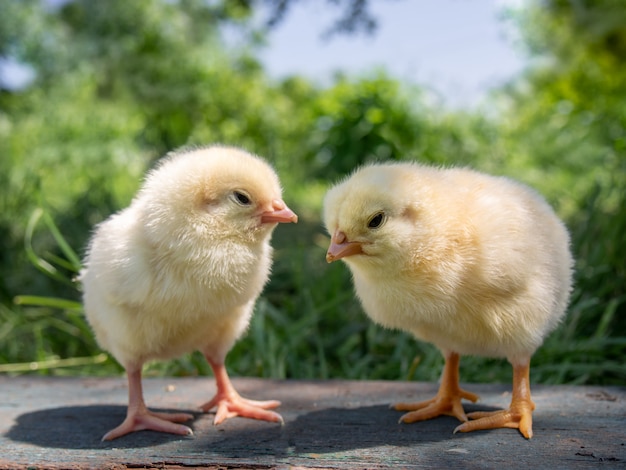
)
(58, 423)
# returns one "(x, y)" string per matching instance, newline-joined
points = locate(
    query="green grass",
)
(308, 325)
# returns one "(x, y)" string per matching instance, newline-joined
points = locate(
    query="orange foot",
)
(230, 404)
(143, 419)
(446, 402)
(519, 415)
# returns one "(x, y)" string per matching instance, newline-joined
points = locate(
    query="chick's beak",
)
(280, 213)
(340, 247)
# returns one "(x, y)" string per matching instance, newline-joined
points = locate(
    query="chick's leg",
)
(139, 418)
(230, 404)
(448, 398)
(519, 415)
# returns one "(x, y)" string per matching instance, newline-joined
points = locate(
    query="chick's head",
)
(212, 194)
(371, 217)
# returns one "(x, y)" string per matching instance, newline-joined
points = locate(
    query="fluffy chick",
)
(475, 264)
(180, 269)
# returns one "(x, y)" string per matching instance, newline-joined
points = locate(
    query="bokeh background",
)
(92, 93)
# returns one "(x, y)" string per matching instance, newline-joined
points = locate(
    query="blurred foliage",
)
(118, 84)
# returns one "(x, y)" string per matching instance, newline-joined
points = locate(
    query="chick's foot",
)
(230, 404)
(140, 418)
(446, 402)
(143, 419)
(519, 415)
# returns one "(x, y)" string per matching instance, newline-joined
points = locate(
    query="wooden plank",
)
(58, 422)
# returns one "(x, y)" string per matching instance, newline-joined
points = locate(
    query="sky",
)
(459, 48)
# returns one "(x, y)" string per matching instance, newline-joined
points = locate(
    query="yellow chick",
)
(474, 264)
(180, 269)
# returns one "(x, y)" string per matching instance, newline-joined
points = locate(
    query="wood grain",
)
(58, 422)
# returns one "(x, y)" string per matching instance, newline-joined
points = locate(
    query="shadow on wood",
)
(82, 427)
(334, 429)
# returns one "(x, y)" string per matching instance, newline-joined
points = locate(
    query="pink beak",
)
(340, 247)
(280, 214)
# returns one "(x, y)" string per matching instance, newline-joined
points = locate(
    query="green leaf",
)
(39, 301)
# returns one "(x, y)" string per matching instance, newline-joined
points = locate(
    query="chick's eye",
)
(377, 220)
(241, 198)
